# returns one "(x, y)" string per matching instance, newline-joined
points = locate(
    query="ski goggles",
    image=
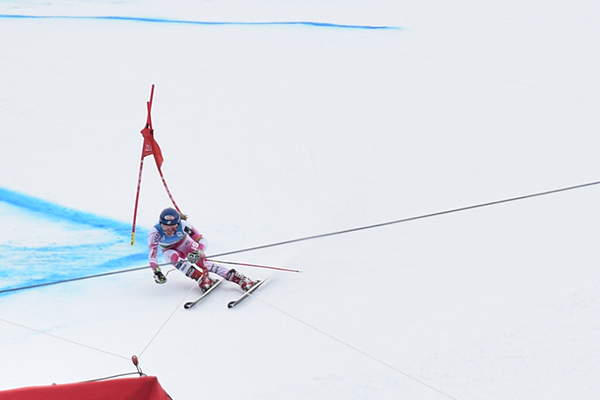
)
(169, 227)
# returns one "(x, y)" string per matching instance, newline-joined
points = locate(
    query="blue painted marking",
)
(178, 21)
(42, 242)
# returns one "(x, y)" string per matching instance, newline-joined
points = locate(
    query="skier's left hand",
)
(195, 256)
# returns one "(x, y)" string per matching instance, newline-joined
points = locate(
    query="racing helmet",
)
(169, 216)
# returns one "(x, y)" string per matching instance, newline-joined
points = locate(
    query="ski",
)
(191, 304)
(243, 297)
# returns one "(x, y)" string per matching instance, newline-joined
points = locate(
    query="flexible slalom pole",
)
(167, 188)
(149, 125)
(139, 183)
(150, 147)
(137, 197)
(255, 265)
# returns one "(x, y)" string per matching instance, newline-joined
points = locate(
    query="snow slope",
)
(273, 132)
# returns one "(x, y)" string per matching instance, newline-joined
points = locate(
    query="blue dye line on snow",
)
(44, 265)
(55, 212)
(189, 22)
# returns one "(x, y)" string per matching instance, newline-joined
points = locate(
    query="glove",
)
(195, 256)
(159, 277)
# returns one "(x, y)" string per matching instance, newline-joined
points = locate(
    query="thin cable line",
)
(72, 279)
(353, 348)
(455, 210)
(65, 340)
(112, 377)
(166, 321)
(285, 242)
(399, 221)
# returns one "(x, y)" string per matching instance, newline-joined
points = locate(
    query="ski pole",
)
(254, 265)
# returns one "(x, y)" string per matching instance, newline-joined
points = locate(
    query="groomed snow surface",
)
(273, 132)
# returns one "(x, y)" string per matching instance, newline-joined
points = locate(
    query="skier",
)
(183, 246)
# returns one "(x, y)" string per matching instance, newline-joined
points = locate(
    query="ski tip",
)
(188, 305)
(231, 304)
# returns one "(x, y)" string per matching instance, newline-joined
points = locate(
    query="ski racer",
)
(183, 246)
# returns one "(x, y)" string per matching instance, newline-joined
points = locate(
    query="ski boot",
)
(159, 277)
(196, 272)
(242, 280)
(200, 274)
(205, 283)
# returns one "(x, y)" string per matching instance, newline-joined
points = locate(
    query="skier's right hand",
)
(159, 277)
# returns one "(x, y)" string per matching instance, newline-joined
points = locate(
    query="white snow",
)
(277, 132)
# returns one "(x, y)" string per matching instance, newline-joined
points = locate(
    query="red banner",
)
(142, 388)
(150, 145)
